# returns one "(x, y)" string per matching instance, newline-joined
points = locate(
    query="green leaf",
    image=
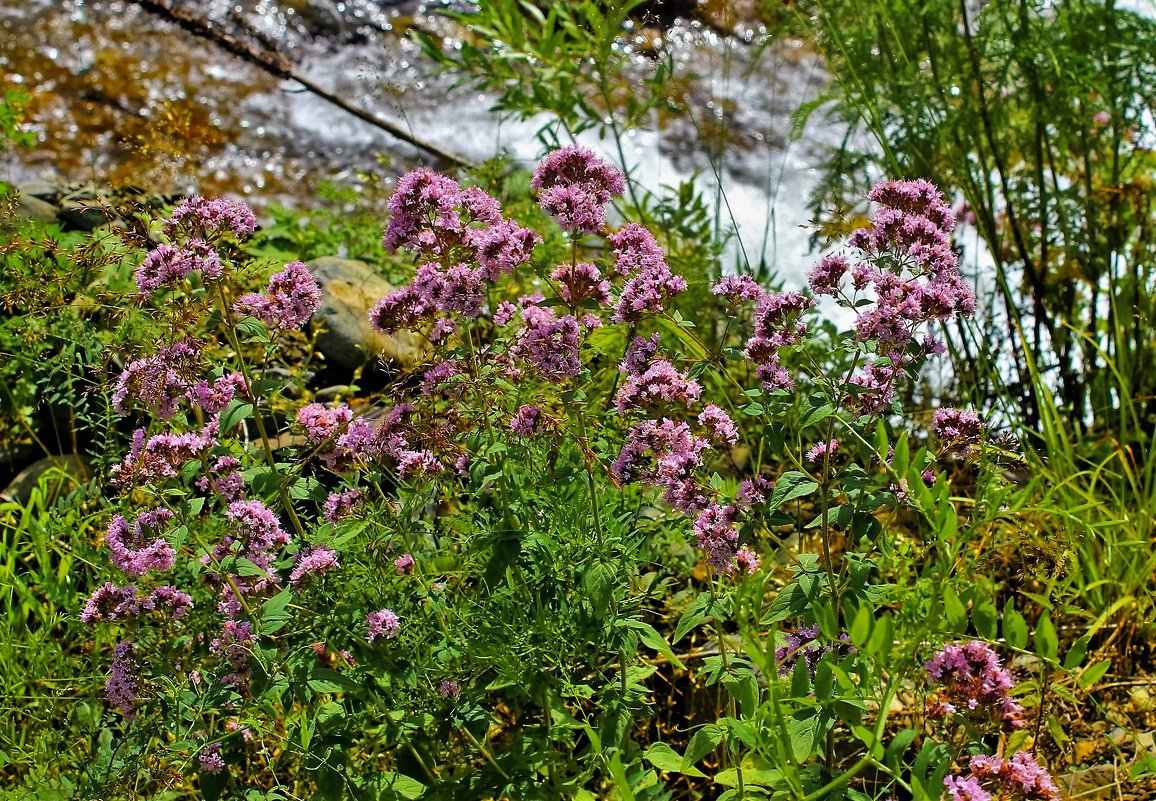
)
(986, 620)
(817, 411)
(807, 729)
(323, 680)
(599, 584)
(790, 485)
(694, 614)
(274, 612)
(235, 412)
(652, 639)
(308, 489)
(247, 569)
(702, 743)
(954, 610)
(663, 757)
(1047, 643)
(1094, 673)
(861, 626)
(900, 743)
(1075, 656)
(1015, 628)
(390, 786)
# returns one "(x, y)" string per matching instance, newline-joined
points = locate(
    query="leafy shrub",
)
(477, 588)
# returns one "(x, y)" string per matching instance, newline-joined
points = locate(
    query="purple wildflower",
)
(666, 454)
(293, 295)
(134, 553)
(504, 312)
(160, 457)
(716, 534)
(821, 451)
(123, 684)
(971, 679)
(804, 643)
(199, 215)
(747, 561)
(825, 277)
(720, 424)
(581, 282)
(575, 185)
(322, 422)
(340, 504)
(960, 788)
(169, 265)
(661, 385)
(525, 421)
(158, 382)
(754, 490)
(737, 288)
(875, 386)
(449, 689)
(502, 248)
(960, 430)
(211, 759)
(639, 354)
(215, 397)
(318, 561)
(650, 282)
(1021, 777)
(404, 564)
(548, 342)
(170, 599)
(382, 623)
(110, 602)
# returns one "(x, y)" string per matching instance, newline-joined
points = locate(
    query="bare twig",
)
(277, 65)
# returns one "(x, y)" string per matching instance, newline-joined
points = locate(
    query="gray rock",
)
(37, 210)
(71, 471)
(350, 289)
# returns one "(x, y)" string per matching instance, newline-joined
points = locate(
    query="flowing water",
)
(121, 96)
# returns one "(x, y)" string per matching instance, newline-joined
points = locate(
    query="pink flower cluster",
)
(123, 685)
(821, 451)
(548, 342)
(317, 561)
(804, 644)
(159, 381)
(341, 504)
(382, 623)
(110, 602)
(650, 282)
(1020, 778)
(215, 397)
(525, 422)
(667, 453)
(169, 265)
(162, 456)
(290, 299)
(659, 386)
(133, 553)
(199, 216)
(464, 241)
(959, 430)
(575, 186)
(972, 680)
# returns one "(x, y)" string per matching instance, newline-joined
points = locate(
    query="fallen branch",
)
(277, 65)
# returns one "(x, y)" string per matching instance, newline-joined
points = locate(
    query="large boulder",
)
(350, 288)
(55, 474)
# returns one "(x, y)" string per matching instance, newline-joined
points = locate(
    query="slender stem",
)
(231, 335)
(485, 752)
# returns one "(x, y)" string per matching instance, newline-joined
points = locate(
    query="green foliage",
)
(1034, 114)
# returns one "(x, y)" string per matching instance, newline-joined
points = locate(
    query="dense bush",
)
(476, 589)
